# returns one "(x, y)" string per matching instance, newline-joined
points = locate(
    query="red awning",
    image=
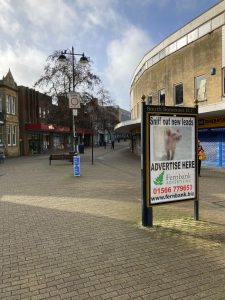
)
(46, 127)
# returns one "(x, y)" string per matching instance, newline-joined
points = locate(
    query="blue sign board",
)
(76, 165)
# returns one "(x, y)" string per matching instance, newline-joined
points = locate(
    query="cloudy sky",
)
(114, 33)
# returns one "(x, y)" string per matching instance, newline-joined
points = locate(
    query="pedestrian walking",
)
(112, 145)
(201, 156)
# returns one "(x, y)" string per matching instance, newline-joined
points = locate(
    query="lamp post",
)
(62, 59)
(90, 111)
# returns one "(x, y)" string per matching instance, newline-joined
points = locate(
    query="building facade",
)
(185, 69)
(9, 120)
(36, 135)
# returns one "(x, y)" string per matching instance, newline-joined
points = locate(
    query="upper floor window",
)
(178, 94)
(162, 97)
(149, 100)
(10, 104)
(13, 105)
(40, 112)
(200, 88)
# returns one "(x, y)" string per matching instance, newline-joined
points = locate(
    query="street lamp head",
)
(83, 60)
(62, 59)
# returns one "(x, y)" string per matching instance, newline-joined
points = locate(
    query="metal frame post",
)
(147, 212)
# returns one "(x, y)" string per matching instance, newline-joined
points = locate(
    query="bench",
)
(63, 156)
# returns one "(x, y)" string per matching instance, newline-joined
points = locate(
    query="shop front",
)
(212, 136)
(42, 138)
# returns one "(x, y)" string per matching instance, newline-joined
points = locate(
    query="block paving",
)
(66, 237)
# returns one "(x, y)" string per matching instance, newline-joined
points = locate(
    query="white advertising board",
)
(172, 158)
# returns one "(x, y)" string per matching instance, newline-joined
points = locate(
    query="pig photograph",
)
(171, 143)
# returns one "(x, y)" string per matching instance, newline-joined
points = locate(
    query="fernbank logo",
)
(178, 178)
(159, 179)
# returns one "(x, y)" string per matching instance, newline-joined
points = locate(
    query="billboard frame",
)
(166, 112)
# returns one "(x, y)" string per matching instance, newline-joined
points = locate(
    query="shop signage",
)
(211, 122)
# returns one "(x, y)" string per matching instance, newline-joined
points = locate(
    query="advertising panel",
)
(169, 157)
(172, 158)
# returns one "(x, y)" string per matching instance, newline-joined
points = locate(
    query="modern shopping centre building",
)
(188, 66)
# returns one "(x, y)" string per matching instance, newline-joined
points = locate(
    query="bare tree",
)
(57, 81)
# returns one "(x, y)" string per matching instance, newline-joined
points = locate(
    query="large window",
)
(13, 105)
(200, 88)
(178, 94)
(162, 97)
(10, 104)
(14, 135)
(9, 135)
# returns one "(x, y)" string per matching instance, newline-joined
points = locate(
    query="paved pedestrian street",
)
(66, 237)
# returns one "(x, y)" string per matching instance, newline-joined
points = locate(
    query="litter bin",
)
(81, 148)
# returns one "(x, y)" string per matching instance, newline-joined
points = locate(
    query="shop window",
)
(178, 94)
(200, 88)
(162, 97)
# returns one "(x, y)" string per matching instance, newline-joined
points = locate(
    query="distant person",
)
(201, 156)
(112, 145)
(105, 144)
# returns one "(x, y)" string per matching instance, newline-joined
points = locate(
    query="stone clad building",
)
(186, 68)
(9, 120)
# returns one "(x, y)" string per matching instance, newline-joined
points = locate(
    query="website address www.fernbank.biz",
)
(174, 196)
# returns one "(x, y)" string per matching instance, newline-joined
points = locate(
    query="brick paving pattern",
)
(63, 237)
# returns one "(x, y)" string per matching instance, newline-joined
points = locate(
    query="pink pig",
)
(171, 139)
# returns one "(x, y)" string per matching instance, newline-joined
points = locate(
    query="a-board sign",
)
(169, 137)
